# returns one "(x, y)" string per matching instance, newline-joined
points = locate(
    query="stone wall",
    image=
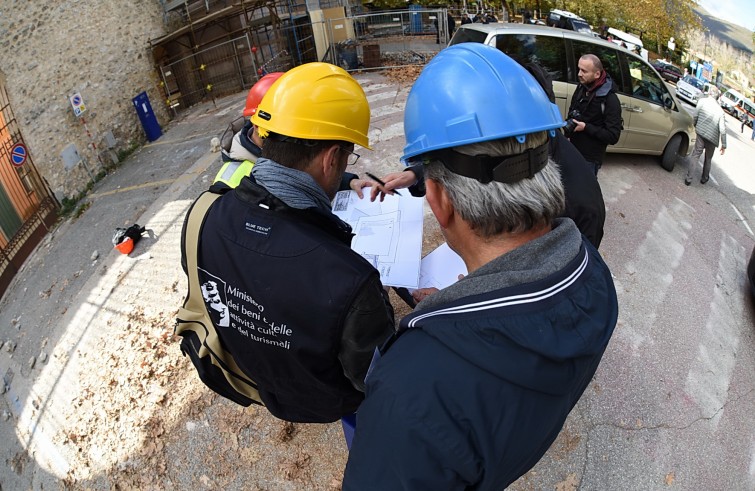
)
(53, 49)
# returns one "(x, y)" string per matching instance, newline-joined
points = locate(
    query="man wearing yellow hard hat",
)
(245, 147)
(306, 312)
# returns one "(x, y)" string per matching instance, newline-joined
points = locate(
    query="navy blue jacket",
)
(471, 393)
(300, 312)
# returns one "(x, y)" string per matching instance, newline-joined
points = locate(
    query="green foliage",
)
(124, 153)
(71, 207)
(656, 20)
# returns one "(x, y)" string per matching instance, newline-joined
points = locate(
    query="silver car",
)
(654, 121)
(690, 89)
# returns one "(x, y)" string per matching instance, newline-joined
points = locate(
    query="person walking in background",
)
(594, 117)
(742, 120)
(479, 379)
(710, 126)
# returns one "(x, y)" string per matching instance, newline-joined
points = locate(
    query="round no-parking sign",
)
(18, 154)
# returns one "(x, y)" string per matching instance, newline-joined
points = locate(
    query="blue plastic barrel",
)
(147, 117)
(416, 19)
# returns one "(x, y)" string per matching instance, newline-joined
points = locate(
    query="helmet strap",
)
(486, 168)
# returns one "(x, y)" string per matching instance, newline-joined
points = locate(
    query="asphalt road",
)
(671, 406)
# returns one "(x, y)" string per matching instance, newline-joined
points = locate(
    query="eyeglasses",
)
(352, 158)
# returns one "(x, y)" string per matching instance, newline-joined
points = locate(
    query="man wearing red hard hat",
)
(246, 145)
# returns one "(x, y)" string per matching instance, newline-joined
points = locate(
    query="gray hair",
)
(495, 208)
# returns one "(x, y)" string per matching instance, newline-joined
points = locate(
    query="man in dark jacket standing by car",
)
(594, 118)
(478, 382)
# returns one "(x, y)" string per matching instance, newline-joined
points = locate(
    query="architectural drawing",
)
(388, 234)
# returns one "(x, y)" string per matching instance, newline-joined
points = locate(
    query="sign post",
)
(77, 103)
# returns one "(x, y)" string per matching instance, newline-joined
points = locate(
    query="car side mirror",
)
(668, 102)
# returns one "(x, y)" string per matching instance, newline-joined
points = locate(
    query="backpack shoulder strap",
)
(194, 224)
(217, 368)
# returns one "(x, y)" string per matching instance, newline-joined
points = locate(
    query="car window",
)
(645, 83)
(579, 26)
(547, 51)
(694, 82)
(468, 36)
(608, 56)
(730, 96)
(749, 108)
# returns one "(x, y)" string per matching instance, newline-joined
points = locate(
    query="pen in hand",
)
(379, 181)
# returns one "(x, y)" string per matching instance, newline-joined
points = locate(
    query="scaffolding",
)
(218, 47)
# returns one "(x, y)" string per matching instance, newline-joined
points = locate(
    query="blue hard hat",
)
(470, 93)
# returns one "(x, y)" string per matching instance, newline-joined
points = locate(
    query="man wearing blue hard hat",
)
(479, 379)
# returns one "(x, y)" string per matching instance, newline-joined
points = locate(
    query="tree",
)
(659, 20)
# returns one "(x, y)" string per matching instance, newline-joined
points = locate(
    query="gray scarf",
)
(294, 187)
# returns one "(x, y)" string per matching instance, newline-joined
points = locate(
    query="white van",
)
(746, 108)
(736, 104)
(628, 41)
(729, 100)
(654, 121)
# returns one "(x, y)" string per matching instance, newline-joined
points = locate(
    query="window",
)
(468, 36)
(548, 51)
(749, 108)
(645, 84)
(608, 56)
(730, 96)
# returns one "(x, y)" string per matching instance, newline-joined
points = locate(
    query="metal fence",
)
(387, 39)
(235, 65)
(27, 206)
(359, 42)
(221, 69)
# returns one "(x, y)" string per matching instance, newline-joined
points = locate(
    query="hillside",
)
(735, 36)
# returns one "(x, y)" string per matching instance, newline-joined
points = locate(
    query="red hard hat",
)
(126, 245)
(257, 92)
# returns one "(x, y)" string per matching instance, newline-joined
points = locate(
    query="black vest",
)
(284, 280)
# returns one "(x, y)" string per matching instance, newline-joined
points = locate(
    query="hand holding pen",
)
(382, 184)
(391, 182)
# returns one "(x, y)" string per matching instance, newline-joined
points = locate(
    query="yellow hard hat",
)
(315, 101)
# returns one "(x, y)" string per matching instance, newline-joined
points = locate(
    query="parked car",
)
(667, 71)
(655, 123)
(567, 20)
(690, 89)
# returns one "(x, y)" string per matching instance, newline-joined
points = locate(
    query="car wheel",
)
(671, 153)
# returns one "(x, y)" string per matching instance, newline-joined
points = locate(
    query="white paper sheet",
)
(441, 268)
(388, 234)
